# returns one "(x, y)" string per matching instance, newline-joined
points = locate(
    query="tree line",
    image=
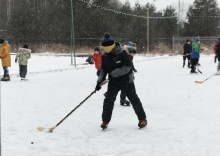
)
(42, 22)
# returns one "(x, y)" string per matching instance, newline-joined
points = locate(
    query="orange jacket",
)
(97, 58)
(5, 54)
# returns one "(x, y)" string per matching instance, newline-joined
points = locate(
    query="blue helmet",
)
(197, 39)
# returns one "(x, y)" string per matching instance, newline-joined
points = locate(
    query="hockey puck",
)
(32, 142)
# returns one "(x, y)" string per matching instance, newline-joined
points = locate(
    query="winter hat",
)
(25, 46)
(97, 49)
(197, 39)
(187, 40)
(2, 40)
(107, 42)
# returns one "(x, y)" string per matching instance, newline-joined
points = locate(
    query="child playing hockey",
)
(187, 48)
(117, 64)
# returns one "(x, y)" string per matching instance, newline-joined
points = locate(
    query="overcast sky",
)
(162, 4)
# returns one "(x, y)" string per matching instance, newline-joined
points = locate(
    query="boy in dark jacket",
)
(187, 49)
(117, 64)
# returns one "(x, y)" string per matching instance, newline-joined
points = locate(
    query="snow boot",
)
(142, 123)
(193, 71)
(6, 78)
(125, 102)
(104, 125)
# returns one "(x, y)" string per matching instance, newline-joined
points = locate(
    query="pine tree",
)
(203, 18)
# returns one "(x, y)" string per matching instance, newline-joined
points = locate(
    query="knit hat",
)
(97, 49)
(2, 40)
(197, 39)
(107, 42)
(25, 46)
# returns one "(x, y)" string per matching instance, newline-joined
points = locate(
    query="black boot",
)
(142, 123)
(193, 71)
(104, 125)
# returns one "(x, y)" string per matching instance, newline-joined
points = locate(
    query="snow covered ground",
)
(183, 117)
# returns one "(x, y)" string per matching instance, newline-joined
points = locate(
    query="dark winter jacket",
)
(187, 49)
(117, 64)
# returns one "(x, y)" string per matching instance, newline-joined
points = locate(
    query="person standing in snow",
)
(131, 49)
(187, 48)
(5, 58)
(195, 54)
(218, 55)
(22, 57)
(117, 64)
(97, 59)
(215, 51)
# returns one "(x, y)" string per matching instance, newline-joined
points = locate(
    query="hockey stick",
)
(207, 78)
(199, 70)
(52, 128)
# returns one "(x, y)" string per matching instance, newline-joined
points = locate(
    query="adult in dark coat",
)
(117, 64)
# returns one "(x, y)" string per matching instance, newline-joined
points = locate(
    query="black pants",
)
(130, 91)
(194, 63)
(122, 96)
(22, 70)
(184, 59)
(216, 57)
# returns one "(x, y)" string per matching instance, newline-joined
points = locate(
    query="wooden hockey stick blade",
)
(199, 81)
(41, 128)
(46, 129)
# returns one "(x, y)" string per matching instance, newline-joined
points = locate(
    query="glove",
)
(15, 60)
(98, 86)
